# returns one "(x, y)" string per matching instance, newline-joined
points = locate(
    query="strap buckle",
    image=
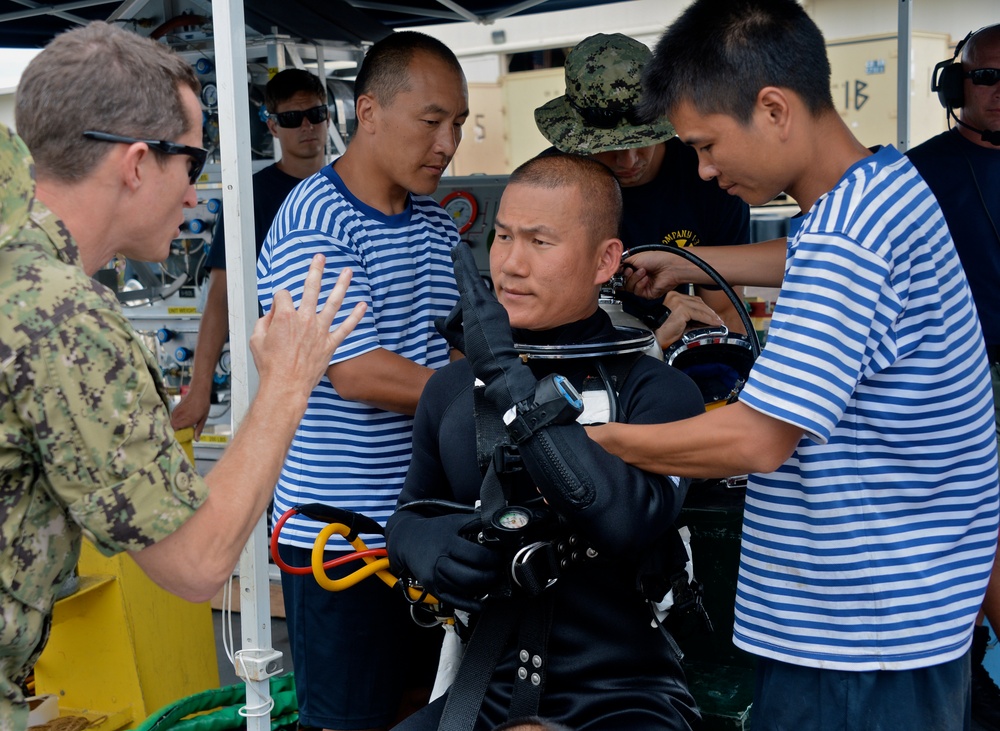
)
(507, 459)
(535, 567)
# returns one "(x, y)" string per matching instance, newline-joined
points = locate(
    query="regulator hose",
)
(715, 276)
(347, 524)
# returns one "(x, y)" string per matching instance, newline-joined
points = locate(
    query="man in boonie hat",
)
(599, 111)
(666, 201)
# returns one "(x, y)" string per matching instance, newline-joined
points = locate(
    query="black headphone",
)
(948, 78)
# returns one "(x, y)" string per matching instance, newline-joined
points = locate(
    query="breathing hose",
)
(376, 559)
(741, 309)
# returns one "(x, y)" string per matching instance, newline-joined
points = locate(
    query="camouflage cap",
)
(597, 112)
(17, 184)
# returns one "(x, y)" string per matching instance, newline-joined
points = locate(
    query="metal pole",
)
(257, 659)
(39, 10)
(903, 55)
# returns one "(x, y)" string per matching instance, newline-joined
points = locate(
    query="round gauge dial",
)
(210, 95)
(462, 208)
(512, 518)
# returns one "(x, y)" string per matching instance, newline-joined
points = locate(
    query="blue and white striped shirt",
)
(870, 548)
(346, 453)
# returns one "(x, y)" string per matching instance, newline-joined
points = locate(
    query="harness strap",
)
(489, 638)
(492, 495)
(491, 435)
(532, 658)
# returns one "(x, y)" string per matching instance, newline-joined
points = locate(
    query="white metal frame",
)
(237, 200)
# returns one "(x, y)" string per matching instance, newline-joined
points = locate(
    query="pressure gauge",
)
(512, 518)
(462, 208)
(210, 95)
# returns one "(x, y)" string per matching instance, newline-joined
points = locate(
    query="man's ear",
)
(134, 164)
(272, 125)
(609, 260)
(774, 108)
(366, 110)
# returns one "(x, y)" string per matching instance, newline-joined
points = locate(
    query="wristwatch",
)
(556, 401)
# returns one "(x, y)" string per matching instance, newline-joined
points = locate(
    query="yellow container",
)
(122, 647)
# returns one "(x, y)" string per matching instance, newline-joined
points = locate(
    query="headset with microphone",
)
(948, 80)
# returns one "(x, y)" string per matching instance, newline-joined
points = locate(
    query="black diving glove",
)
(442, 554)
(489, 345)
(450, 328)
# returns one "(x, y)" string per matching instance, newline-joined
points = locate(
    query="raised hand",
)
(295, 345)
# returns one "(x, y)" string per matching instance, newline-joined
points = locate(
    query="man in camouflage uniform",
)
(666, 202)
(86, 446)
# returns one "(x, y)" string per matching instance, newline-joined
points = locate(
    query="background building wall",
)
(861, 35)
(7, 106)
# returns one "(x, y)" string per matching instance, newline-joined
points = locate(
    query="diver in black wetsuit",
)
(582, 651)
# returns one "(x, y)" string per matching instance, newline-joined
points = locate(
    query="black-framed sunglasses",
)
(609, 118)
(196, 155)
(984, 77)
(293, 119)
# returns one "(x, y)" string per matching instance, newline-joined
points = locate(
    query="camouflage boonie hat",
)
(17, 184)
(597, 113)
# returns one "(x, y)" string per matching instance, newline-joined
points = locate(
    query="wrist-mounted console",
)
(556, 401)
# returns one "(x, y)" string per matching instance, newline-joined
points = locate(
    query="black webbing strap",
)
(490, 431)
(496, 624)
(493, 630)
(491, 443)
(492, 496)
(532, 657)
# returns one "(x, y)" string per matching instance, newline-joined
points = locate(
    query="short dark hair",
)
(384, 71)
(719, 54)
(286, 84)
(596, 182)
(99, 77)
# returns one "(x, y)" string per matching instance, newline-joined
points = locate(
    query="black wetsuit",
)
(607, 666)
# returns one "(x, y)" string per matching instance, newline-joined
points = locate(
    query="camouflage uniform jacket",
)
(86, 446)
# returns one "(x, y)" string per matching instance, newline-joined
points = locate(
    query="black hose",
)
(609, 389)
(716, 277)
(437, 507)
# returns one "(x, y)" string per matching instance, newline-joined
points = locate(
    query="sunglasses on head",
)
(609, 118)
(984, 77)
(196, 155)
(294, 119)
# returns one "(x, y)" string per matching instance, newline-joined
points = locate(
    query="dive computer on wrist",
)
(556, 401)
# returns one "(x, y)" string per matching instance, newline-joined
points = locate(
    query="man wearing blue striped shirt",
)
(867, 422)
(371, 211)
